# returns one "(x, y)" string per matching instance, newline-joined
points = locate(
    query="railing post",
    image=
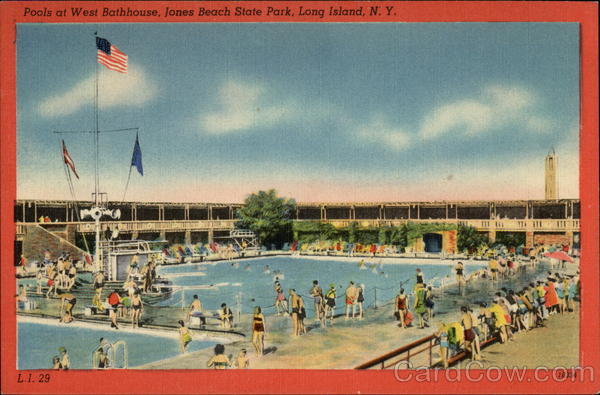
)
(430, 352)
(182, 299)
(239, 307)
(375, 302)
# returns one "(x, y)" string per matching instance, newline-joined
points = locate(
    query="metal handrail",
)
(381, 360)
(500, 224)
(110, 348)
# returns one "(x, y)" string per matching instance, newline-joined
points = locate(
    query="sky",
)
(320, 112)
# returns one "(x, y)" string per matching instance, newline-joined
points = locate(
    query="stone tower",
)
(550, 175)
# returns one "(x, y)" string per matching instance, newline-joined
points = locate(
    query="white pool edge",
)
(122, 329)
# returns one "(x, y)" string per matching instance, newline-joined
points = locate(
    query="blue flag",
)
(136, 159)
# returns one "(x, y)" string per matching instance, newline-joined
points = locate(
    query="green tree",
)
(469, 239)
(309, 231)
(352, 230)
(383, 232)
(269, 216)
(397, 236)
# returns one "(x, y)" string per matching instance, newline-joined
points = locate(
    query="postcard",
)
(299, 197)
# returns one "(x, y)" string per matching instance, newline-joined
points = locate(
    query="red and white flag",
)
(68, 161)
(110, 56)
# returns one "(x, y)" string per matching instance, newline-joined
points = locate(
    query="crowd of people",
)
(324, 304)
(343, 247)
(499, 267)
(54, 278)
(125, 302)
(179, 252)
(57, 275)
(509, 312)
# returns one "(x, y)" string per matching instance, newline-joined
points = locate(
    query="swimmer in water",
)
(242, 361)
(219, 360)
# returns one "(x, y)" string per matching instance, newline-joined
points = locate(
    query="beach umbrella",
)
(561, 256)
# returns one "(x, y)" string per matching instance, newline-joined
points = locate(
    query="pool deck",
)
(343, 345)
(532, 349)
(350, 343)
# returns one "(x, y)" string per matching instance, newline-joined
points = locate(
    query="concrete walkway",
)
(555, 345)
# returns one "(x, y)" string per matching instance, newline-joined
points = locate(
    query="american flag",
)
(68, 161)
(110, 56)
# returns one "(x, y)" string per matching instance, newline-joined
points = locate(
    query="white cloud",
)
(115, 89)
(378, 131)
(470, 115)
(497, 107)
(509, 98)
(243, 106)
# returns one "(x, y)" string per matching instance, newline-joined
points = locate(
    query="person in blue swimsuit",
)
(442, 335)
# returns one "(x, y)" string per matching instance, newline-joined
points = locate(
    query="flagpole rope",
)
(126, 184)
(96, 144)
(85, 243)
(72, 191)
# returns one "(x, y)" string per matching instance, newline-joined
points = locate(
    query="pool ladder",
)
(112, 349)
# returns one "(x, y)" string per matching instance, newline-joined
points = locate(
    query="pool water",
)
(38, 343)
(252, 280)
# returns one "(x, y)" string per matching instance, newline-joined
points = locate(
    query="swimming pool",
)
(39, 342)
(252, 279)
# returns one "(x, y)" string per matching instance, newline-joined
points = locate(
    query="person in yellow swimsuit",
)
(501, 323)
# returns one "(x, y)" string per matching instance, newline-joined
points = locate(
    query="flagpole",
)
(97, 177)
(96, 141)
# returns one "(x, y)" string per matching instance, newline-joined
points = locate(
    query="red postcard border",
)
(310, 381)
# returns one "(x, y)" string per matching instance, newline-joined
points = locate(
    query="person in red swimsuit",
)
(401, 305)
